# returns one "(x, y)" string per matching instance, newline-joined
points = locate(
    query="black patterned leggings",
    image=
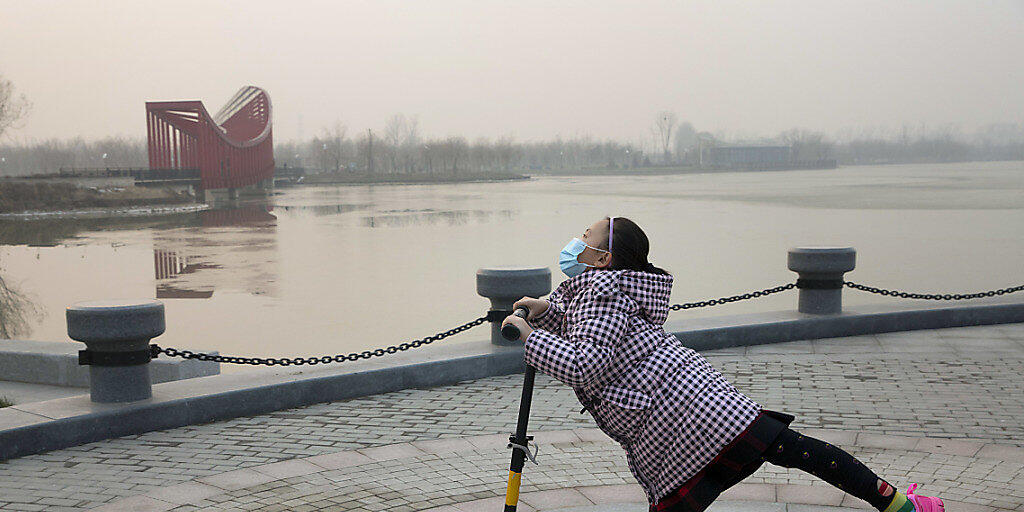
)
(829, 463)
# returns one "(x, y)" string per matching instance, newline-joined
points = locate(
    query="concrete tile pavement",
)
(24, 392)
(718, 506)
(575, 473)
(960, 388)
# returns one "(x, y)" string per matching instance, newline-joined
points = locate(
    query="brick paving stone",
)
(958, 389)
(479, 474)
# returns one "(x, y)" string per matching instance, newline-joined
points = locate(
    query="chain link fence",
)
(497, 316)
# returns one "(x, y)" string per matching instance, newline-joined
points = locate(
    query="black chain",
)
(933, 296)
(340, 358)
(734, 298)
(494, 316)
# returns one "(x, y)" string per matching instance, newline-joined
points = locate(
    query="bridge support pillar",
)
(233, 194)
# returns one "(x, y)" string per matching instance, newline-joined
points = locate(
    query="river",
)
(335, 269)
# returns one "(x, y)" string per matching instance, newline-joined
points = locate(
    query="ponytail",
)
(630, 247)
(654, 270)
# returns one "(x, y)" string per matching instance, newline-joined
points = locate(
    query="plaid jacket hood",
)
(603, 335)
(649, 292)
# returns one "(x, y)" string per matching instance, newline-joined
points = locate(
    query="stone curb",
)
(708, 333)
(55, 363)
(166, 498)
(43, 426)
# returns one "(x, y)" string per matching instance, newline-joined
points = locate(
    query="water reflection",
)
(249, 215)
(192, 263)
(54, 232)
(169, 264)
(352, 268)
(410, 217)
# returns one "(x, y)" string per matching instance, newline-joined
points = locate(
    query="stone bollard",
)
(504, 286)
(116, 335)
(820, 271)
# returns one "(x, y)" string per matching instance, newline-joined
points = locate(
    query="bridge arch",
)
(232, 149)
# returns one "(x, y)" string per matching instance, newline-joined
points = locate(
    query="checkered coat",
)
(662, 402)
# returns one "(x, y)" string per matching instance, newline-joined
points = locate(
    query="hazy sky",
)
(531, 69)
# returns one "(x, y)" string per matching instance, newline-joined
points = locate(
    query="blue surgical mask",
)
(568, 261)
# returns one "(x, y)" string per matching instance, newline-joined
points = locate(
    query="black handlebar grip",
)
(511, 332)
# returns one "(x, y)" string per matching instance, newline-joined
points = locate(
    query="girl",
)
(688, 433)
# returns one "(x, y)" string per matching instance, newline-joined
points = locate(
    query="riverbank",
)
(102, 213)
(21, 199)
(408, 178)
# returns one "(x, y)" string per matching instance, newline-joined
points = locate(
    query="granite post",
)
(820, 277)
(116, 335)
(505, 285)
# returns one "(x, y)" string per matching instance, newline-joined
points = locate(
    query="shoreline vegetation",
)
(34, 197)
(26, 198)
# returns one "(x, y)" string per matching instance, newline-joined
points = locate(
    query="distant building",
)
(748, 157)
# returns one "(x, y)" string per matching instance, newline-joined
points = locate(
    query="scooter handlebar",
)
(511, 332)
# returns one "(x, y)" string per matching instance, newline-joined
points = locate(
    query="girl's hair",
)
(630, 247)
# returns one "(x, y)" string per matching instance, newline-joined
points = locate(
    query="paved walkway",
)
(943, 408)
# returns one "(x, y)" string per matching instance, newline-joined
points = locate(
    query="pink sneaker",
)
(924, 503)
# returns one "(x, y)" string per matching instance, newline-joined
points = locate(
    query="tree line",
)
(401, 148)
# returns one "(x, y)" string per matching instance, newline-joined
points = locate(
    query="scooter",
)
(519, 441)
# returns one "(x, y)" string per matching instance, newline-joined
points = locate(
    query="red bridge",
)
(231, 150)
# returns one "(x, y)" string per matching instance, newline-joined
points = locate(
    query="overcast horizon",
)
(528, 69)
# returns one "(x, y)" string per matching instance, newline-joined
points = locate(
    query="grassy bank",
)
(4, 402)
(17, 196)
(367, 179)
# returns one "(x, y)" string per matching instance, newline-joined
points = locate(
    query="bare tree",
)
(507, 152)
(394, 128)
(12, 107)
(334, 146)
(807, 144)
(366, 153)
(453, 149)
(410, 143)
(663, 126)
(430, 152)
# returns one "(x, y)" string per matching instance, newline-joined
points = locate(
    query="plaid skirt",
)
(737, 460)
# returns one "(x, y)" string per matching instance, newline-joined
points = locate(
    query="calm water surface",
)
(329, 270)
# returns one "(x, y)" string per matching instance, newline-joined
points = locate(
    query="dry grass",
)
(19, 196)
